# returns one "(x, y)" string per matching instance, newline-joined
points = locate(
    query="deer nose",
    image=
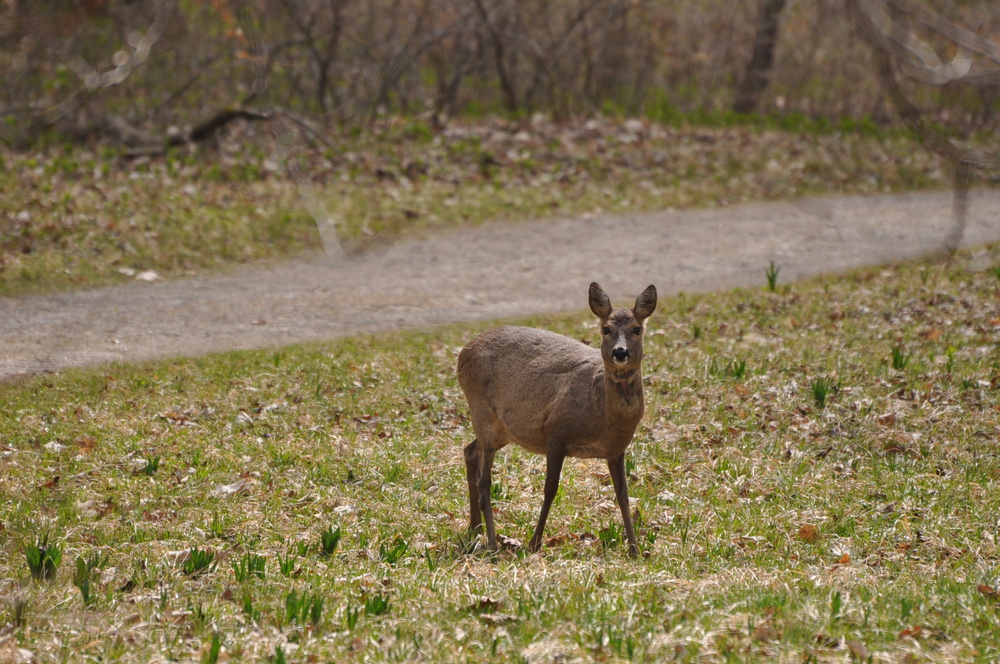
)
(620, 354)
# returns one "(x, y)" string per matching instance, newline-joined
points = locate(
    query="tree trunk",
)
(762, 60)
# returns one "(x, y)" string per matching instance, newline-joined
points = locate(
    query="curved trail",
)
(487, 272)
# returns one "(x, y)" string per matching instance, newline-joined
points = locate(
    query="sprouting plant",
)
(218, 526)
(351, 615)
(900, 358)
(248, 566)
(249, 611)
(610, 535)
(43, 558)
(19, 612)
(772, 276)
(83, 576)
(820, 390)
(376, 605)
(286, 564)
(211, 655)
(696, 332)
(152, 465)
(198, 561)
(836, 602)
(198, 614)
(279, 655)
(304, 608)
(328, 540)
(733, 369)
(392, 554)
(950, 354)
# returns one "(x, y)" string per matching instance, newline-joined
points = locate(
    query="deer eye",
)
(637, 330)
(605, 330)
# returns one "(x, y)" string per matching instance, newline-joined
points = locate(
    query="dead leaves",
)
(10, 653)
(241, 485)
(885, 420)
(487, 609)
(988, 592)
(809, 533)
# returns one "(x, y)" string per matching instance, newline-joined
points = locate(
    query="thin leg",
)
(616, 466)
(553, 469)
(472, 474)
(485, 484)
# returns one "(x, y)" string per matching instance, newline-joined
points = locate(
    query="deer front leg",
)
(616, 466)
(553, 469)
(472, 452)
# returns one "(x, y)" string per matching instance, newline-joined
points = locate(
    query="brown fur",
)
(555, 396)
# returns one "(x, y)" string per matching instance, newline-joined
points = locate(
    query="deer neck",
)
(624, 387)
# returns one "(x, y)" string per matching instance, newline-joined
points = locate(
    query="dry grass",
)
(772, 529)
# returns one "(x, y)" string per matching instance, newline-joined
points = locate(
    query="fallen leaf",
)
(809, 533)
(826, 641)
(844, 559)
(175, 617)
(497, 618)
(915, 632)
(11, 654)
(886, 420)
(764, 632)
(86, 444)
(51, 484)
(987, 592)
(229, 489)
(858, 650)
(509, 542)
(484, 603)
(893, 447)
(933, 334)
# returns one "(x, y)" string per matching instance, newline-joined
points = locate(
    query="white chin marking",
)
(620, 362)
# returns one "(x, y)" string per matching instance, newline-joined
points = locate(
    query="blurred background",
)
(123, 68)
(169, 137)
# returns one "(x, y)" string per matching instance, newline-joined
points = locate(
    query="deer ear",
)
(600, 304)
(645, 304)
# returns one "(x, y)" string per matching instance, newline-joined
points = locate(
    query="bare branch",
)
(897, 50)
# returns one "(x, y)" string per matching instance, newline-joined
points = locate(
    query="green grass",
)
(772, 528)
(74, 217)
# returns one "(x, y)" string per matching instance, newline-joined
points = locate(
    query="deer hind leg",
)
(616, 466)
(486, 454)
(472, 454)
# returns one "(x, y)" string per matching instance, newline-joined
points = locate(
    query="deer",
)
(556, 396)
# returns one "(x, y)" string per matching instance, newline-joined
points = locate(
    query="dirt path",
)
(494, 271)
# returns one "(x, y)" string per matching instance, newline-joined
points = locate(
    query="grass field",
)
(815, 480)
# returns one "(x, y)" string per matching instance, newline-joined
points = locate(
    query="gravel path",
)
(489, 272)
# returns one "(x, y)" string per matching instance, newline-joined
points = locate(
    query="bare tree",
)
(758, 74)
(906, 38)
